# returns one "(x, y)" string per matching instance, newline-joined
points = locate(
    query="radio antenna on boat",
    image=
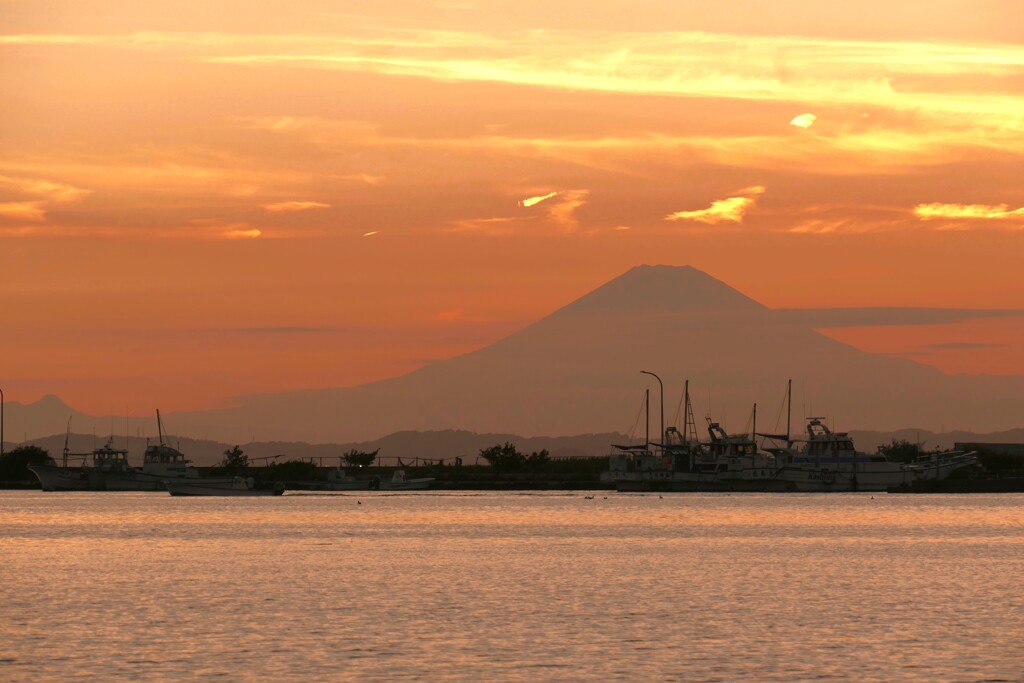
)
(67, 436)
(789, 411)
(159, 427)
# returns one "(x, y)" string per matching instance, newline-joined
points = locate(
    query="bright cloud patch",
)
(803, 121)
(241, 234)
(537, 200)
(371, 233)
(940, 211)
(25, 211)
(728, 210)
(288, 207)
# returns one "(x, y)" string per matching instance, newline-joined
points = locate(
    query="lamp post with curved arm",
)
(661, 403)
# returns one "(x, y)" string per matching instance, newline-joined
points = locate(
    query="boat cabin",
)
(637, 459)
(825, 446)
(163, 460)
(110, 459)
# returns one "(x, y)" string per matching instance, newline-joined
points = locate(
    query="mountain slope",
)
(578, 371)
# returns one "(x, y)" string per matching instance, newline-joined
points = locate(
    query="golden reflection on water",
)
(512, 587)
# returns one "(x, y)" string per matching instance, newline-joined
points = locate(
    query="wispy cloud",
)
(728, 210)
(34, 196)
(24, 211)
(563, 212)
(822, 318)
(984, 211)
(963, 346)
(291, 207)
(282, 330)
(497, 225)
(40, 187)
(242, 234)
(531, 201)
(371, 233)
(685, 64)
(181, 232)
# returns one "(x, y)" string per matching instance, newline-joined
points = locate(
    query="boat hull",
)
(239, 487)
(872, 476)
(410, 485)
(349, 486)
(53, 478)
(132, 481)
(879, 476)
(697, 482)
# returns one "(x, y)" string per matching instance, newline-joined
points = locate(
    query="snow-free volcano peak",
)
(663, 289)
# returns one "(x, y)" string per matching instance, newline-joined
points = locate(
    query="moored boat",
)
(829, 461)
(160, 463)
(87, 477)
(235, 486)
(340, 480)
(726, 462)
(400, 482)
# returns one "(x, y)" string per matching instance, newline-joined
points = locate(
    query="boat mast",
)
(67, 436)
(789, 412)
(159, 427)
(753, 437)
(686, 412)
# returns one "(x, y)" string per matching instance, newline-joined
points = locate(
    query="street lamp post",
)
(661, 402)
(1, 422)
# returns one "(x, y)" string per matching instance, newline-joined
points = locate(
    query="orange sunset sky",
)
(200, 200)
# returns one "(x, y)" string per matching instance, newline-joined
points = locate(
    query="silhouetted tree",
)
(538, 460)
(235, 461)
(14, 465)
(900, 450)
(506, 457)
(356, 458)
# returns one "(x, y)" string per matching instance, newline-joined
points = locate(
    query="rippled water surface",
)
(495, 586)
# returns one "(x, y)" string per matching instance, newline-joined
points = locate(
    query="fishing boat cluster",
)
(820, 460)
(165, 468)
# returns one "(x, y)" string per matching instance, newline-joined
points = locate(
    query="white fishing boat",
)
(235, 486)
(340, 480)
(726, 462)
(828, 461)
(160, 463)
(400, 482)
(89, 476)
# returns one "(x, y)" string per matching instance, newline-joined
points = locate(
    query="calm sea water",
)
(496, 586)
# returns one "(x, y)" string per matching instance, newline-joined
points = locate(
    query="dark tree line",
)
(508, 458)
